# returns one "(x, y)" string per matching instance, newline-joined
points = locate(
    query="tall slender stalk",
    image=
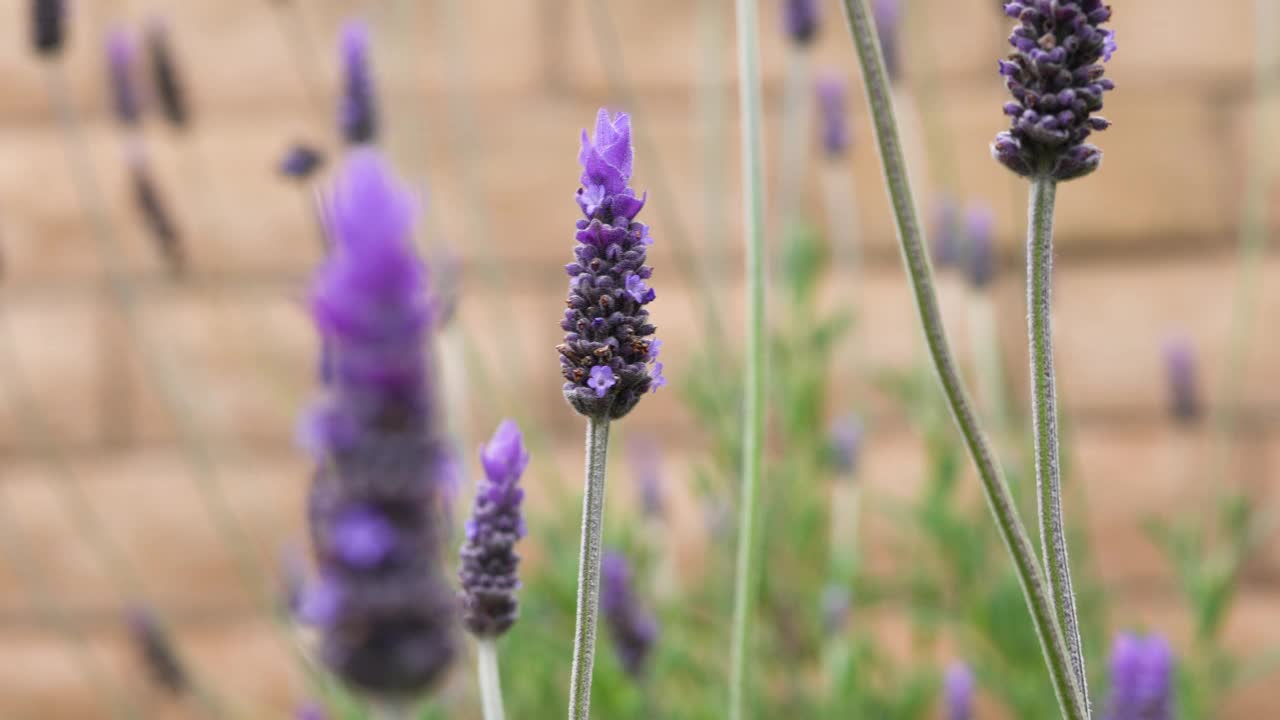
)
(1044, 411)
(745, 585)
(916, 259)
(584, 637)
(490, 680)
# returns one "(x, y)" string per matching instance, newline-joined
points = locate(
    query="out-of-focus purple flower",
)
(800, 18)
(156, 652)
(301, 161)
(837, 606)
(947, 246)
(646, 468)
(122, 76)
(1055, 77)
(311, 711)
(833, 110)
(382, 601)
(633, 629)
(489, 560)
(607, 357)
(48, 26)
(958, 686)
(1141, 679)
(979, 255)
(358, 113)
(888, 15)
(165, 75)
(156, 217)
(1184, 389)
(847, 436)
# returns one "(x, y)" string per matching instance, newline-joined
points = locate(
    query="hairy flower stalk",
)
(1141, 679)
(609, 357)
(1055, 77)
(489, 561)
(633, 629)
(48, 26)
(383, 607)
(358, 109)
(165, 76)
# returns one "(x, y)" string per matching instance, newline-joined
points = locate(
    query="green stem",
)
(1044, 411)
(920, 274)
(584, 638)
(745, 589)
(490, 680)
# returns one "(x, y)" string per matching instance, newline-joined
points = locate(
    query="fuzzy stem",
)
(745, 589)
(584, 637)
(490, 681)
(1044, 410)
(920, 274)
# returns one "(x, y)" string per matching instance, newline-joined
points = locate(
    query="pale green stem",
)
(745, 585)
(584, 637)
(1044, 411)
(490, 681)
(916, 259)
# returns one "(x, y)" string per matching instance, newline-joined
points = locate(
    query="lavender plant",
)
(958, 692)
(633, 629)
(358, 117)
(1141, 679)
(122, 77)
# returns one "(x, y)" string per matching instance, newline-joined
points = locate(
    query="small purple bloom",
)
(311, 711)
(362, 538)
(1180, 368)
(165, 75)
(846, 445)
(833, 111)
(156, 652)
(656, 378)
(301, 161)
(123, 79)
(638, 290)
(958, 686)
(979, 255)
(800, 18)
(602, 379)
(888, 15)
(1108, 45)
(1141, 679)
(358, 112)
(633, 629)
(48, 26)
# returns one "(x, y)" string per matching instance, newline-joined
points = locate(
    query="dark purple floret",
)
(979, 255)
(847, 435)
(358, 112)
(888, 16)
(301, 161)
(609, 358)
(382, 602)
(122, 77)
(947, 246)
(156, 217)
(1184, 390)
(833, 107)
(800, 18)
(165, 76)
(633, 629)
(958, 692)
(489, 560)
(1141, 679)
(1055, 76)
(156, 652)
(48, 26)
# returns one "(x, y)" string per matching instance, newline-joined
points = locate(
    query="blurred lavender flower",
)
(301, 161)
(958, 692)
(311, 711)
(979, 255)
(382, 603)
(1055, 77)
(633, 629)
(834, 113)
(1180, 368)
(156, 217)
(165, 76)
(646, 467)
(156, 652)
(800, 18)
(48, 26)
(1141, 679)
(608, 358)
(847, 436)
(888, 15)
(489, 560)
(122, 77)
(837, 605)
(947, 246)
(358, 112)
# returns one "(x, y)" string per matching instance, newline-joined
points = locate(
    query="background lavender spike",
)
(801, 18)
(48, 26)
(156, 217)
(957, 692)
(633, 630)
(122, 77)
(301, 161)
(646, 468)
(156, 652)
(947, 246)
(979, 258)
(1141, 679)
(888, 15)
(358, 109)
(1184, 389)
(166, 79)
(832, 91)
(847, 437)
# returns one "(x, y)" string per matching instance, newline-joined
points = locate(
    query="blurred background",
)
(162, 439)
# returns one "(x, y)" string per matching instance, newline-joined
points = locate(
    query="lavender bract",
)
(1184, 391)
(800, 18)
(122, 78)
(358, 111)
(1141, 679)
(834, 113)
(489, 560)
(1055, 76)
(165, 76)
(979, 255)
(384, 608)
(633, 629)
(48, 26)
(156, 652)
(609, 358)
(958, 692)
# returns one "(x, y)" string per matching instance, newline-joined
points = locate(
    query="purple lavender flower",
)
(1055, 76)
(156, 217)
(358, 113)
(301, 161)
(156, 652)
(837, 606)
(847, 436)
(888, 15)
(833, 110)
(311, 711)
(947, 251)
(489, 560)
(384, 607)
(1180, 368)
(48, 26)
(979, 256)
(122, 77)
(800, 18)
(608, 358)
(165, 76)
(958, 692)
(646, 467)
(1141, 679)
(633, 629)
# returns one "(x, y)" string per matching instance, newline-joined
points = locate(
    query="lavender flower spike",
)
(1055, 76)
(800, 18)
(1180, 367)
(834, 113)
(165, 76)
(48, 26)
(121, 72)
(156, 217)
(1141, 679)
(301, 161)
(609, 358)
(958, 692)
(633, 629)
(157, 653)
(979, 256)
(888, 14)
(947, 228)
(489, 561)
(382, 604)
(646, 466)
(847, 437)
(358, 112)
